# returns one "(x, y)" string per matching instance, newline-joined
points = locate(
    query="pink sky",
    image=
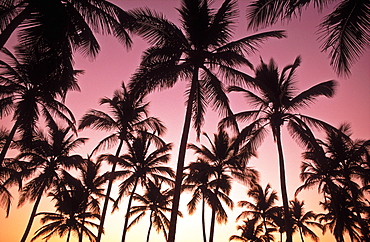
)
(115, 64)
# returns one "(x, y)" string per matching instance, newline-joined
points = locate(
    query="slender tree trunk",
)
(8, 142)
(284, 194)
(128, 211)
(213, 219)
(32, 217)
(150, 227)
(69, 235)
(204, 221)
(301, 233)
(80, 236)
(265, 225)
(212, 230)
(180, 162)
(107, 195)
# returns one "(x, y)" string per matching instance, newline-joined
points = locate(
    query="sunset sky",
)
(115, 64)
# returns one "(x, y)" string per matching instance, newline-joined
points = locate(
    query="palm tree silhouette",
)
(303, 219)
(226, 162)
(251, 232)
(89, 186)
(70, 216)
(201, 53)
(48, 156)
(62, 24)
(341, 222)
(129, 115)
(140, 164)
(262, 208)
(158, 202)
(29, 89)
(275, 107)
(347, 164)
(344, 32)
(198, 176)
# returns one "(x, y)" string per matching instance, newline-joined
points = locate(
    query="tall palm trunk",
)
(69, 235)
(32, 216)
(8, 141)
(128, 211)
(284, 194)
(150, 227)
(212, 229)
(213, 218)
(265, 225)
(204, 221)
(80, 236)
(301, 233)
(107, 195)
(181, 159)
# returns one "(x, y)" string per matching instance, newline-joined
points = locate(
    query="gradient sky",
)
(115, 65)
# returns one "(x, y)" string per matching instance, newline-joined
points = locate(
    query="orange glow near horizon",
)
(115, 65)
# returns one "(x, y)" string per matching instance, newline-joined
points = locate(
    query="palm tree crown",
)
(128, 116)
(200, 52)
(56, 24)
(29, 89)
(276, 105)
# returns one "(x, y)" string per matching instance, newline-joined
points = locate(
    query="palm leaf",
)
(345, 33)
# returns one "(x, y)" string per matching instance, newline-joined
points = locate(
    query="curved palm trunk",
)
(180, 162)
(8, 141)
(212, 230)
(284, 194)
(150, 227)
(128, 211)
(204, 221)
(109, 189)
(213, 219)
(301, 234)
(69, 235)
(32, 217)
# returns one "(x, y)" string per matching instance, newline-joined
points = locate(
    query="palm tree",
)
(226, 162)
(140, 164)
(70, 216)
(347, 160)
(277, 216)
(48, 156)
(263, 206)
(129, 115)
(89, 186)
(61, 24)
(200, 52)
(198, 177)
(341, 222)
(156, 201)
(30, 89)
(251, 232)
(344, 32)
(276, 106)
(304, 219)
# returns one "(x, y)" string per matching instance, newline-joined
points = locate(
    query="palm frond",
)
(345, 34)
(309, 96)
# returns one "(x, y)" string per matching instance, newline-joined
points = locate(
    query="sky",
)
(115, 64)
